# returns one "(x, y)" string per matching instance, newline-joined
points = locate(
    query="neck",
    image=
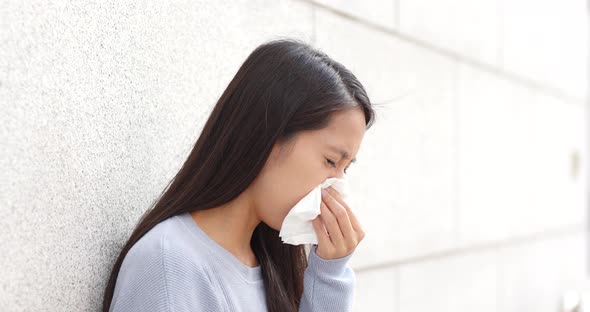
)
(231, 226)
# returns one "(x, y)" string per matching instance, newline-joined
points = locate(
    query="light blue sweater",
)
(177, 267)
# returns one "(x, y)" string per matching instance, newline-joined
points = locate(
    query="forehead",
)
(345, 130)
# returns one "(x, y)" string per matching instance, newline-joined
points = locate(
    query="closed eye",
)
(333, 164)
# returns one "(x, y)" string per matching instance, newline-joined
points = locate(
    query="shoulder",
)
(159, 270)
(168, 245)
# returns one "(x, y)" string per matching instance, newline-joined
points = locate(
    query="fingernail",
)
(324, 192)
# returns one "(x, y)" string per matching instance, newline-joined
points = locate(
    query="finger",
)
(331, 225)
(320, 230)
(351, 216)
(341, 214)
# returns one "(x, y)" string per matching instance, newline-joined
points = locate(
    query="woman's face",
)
(293, 169)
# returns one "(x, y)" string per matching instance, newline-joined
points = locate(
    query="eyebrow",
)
(342, 153)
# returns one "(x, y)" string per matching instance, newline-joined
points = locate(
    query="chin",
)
(273, 225)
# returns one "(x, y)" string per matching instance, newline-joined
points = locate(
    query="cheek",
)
(277, 206)
(285, 184)
(274, 203)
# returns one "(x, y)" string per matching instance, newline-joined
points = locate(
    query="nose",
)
(340, 175)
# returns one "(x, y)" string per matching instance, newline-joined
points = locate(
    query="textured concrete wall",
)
(472, 185)
(101, 102)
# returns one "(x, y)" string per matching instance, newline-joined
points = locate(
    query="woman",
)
(290, 118)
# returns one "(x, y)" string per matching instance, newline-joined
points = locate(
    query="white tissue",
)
(297, 227)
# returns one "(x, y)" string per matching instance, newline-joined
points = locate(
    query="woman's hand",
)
(337, 228)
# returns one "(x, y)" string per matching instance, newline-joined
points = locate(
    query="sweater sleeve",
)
(154, 278)
(328, 284)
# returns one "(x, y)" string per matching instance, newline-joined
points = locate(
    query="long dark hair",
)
(283, 87)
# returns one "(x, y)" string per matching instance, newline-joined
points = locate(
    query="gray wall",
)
(101, 103)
